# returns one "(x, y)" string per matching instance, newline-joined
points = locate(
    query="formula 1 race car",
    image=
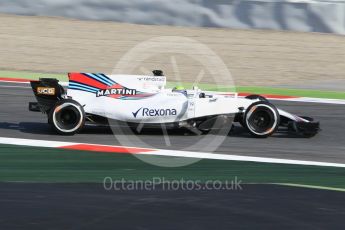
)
(143, 100)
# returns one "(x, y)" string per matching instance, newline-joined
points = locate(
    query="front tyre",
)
(261, 119)
(67, 117)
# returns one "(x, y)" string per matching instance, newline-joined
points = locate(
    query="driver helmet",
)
(180, 89)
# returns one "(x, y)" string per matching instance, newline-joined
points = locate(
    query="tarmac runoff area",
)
(90, 206)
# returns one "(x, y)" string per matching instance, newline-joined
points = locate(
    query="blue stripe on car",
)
(106, 77)
(82, 89)
(92, 76)
(84, 86)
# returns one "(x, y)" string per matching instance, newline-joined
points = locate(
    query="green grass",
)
(210, 87)
(293, 92)
(33, 164)
(32, 75)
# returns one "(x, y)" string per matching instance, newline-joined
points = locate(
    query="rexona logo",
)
(116, 91)
(146, 112)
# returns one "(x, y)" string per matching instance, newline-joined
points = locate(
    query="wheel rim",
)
(261, 120)
(67, 117)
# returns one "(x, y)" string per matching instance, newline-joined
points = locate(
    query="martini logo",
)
(146, 112)
(116, 91)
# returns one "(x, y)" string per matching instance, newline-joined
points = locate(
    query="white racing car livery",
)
(136, 100)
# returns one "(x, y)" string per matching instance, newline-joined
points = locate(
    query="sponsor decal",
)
(116, 91)
(147, 112)
(45, 90)
(191, 106)
(174, 94)
(153, 78)
(103, 86)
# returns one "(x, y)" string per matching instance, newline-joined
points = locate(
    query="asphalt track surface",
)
(90, 206)
(328, 146)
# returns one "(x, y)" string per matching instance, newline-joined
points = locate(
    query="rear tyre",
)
(67, 117)
(261, 119)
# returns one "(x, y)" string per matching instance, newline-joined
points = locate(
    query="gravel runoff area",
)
(254, 57)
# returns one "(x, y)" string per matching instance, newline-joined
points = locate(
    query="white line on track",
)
(216, 156)
(32, 142)
(14, 82)
(27, 83)
(170, 153)
(301, 99)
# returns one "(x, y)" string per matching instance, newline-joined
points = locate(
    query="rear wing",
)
(47, 92)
